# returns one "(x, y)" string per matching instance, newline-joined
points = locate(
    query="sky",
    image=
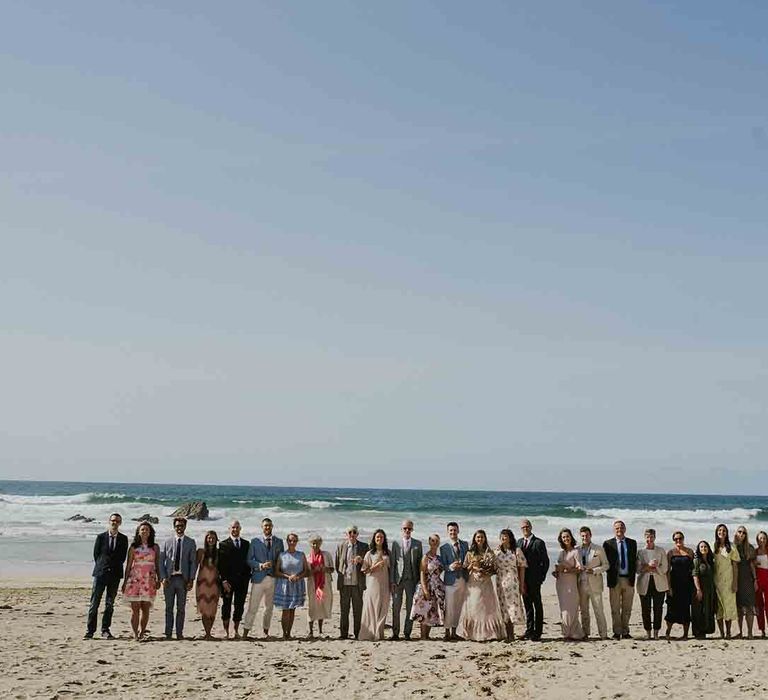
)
(431, 244)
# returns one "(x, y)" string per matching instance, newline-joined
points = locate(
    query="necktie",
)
(525, 544)
(584, 557)
(237, 543)
(269, 544)
(177, 555)
(622, 556)
(111, 543)
(457, 550)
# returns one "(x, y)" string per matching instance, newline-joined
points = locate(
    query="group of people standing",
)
(446, 584)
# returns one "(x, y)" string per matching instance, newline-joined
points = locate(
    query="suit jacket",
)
(448, 556)
(187, 562)
(644, 556)
(258, 554)
(612, 552)
(538, 561)
(597, 561)
(233, 562)
(341, 563)
(398, 570)
(106, 563)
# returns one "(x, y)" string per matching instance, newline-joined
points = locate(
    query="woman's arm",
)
(423, 576)
(128, 566)
(734, 576)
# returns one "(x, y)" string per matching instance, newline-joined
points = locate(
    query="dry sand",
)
(44, 656)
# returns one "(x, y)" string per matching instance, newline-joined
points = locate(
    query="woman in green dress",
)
(704, 600)
(726, 579)
(745, 590)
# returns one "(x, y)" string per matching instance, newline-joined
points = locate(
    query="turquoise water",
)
(37, 512)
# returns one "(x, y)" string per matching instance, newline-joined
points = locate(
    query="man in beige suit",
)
(595, 564)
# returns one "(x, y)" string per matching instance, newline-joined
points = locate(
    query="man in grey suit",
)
(404, 575)
(178, 564)
(350, 580)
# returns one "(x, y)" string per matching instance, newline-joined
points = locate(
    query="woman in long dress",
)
(745, 586)
(320, 587)
(208, 583)
(429, 601)
(567, 572)
(726, 579)
(510, 581)
(480, 619)
(680, 593)
(376, 596)
(142, 577)
(704, 601)
(291, 569)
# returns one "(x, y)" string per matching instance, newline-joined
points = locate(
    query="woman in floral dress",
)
(429, 602)
(480, 619)
(208, 583)
(142, 577)
(510, 581)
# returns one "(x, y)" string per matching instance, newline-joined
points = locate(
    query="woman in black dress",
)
(704, 604)
(680, 593)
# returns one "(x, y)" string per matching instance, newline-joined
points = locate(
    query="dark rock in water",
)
(78, 518)
(193, 510)
(147, 518)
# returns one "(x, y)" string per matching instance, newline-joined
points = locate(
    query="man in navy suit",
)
(455, 576)
(109, 552)
(535, 552)
(178, 564)
(262, 556)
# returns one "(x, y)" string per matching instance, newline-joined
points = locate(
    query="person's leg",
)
(451, 618)
(239, 595)
(596, 598)
(538, 611)
(397, 604)
(181, 605)
(257, 593)
(614, 597)
(741, 621)
(584, 596)
(720, 627)
(109, 604)
(424, 631)
(750, 615)
(170, 594)
(97, 590)
(658, 611)
(284, 623)
(627, 598)
(226, 609)
(645, 607)
(345, 596)
(145, 607)
(410, 590)
(135, 612)
(269, 595)
(357, 609)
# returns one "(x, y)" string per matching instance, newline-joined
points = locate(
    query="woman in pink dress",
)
(142, 577)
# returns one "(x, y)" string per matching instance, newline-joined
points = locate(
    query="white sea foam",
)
(692, 516)
(318, 504)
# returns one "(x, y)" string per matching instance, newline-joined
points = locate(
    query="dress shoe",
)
(88, 635)
(395, 637)
(626, 636)
(106, 634)
(617, 636)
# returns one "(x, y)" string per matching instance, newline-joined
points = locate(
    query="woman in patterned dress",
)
(745, 585)
(208, 587)
(142, 577)
(510, 581)
(291, 568)
(429, 602)
(320, 586)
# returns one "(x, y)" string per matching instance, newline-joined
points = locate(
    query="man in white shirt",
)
(595, 564)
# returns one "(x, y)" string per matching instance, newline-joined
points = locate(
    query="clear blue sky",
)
(496, 245)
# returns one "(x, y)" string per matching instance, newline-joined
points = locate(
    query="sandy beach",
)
(44, 656)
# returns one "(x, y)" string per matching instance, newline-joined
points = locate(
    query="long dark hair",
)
(473, 547)
(211, 553)
(709, 559)
(727, 539)
(562, 532)
(511, 535)
(137, 538)
(384, 545)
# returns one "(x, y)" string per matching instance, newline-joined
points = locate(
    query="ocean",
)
(37, 540)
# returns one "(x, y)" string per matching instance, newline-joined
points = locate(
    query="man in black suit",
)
(535, 552)
(109, 553)
(235, 576)
(622, 564)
